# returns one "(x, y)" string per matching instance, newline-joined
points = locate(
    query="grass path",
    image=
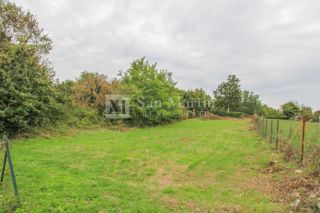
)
(189, 166)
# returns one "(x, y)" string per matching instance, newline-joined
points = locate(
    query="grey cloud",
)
(272, 45)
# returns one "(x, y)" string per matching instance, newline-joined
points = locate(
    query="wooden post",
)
(303, 137)
(277, 140)
(271, 127)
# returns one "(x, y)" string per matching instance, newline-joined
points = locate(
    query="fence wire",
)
(287, 136)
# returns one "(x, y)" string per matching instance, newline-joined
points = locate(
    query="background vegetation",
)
(31, 97)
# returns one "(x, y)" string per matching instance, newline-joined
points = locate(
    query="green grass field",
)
(188, 166)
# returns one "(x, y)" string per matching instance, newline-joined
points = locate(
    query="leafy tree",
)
(28, 97)
(27, 91)
(316, 116)
(154, 98)
(19, 26)
(250, 103)
(76, 115)
(196, 101)
(91, 89)
(270, 112)
(306, 112)
(290, 109)
(228, 94)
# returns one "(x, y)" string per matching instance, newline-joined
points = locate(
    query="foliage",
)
(228, 95)
(250, 103)
(196, 101)
(306, 112)
(270, 112)
(154, 98)
(28, 96)
(76, 115)
(19, 26)
(290, 109)
(91, 88)
(316, 116)
(228, 114)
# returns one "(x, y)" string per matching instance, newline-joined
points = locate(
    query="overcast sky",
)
(273, 46)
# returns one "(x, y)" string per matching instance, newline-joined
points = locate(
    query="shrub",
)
(289, 110)
(196, 101)
(289, 152)
(229, 114)
(313, 159)
(28, 96)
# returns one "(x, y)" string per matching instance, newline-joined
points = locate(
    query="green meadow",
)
(188, 166)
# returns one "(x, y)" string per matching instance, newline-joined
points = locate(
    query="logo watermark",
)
(117, 107)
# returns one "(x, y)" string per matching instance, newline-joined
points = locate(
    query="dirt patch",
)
(175, 204)
(274, 169)
(252, 128)
(303, 193)
(172, 174)
(185, 140)
(163, 178)
(210, 116)
(296, 192)
(229, 209)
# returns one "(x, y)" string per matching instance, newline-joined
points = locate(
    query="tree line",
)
(31, 97)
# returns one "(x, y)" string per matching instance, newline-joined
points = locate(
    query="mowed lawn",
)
(187, 166)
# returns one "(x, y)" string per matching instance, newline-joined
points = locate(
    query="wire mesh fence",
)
(298, 140)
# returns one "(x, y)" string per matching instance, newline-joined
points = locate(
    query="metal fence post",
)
(265, 132)
(262, 127)
(303, 138)
(277, 139)
(7, 156)
(14, 182)
(3, 167)
(271, 126)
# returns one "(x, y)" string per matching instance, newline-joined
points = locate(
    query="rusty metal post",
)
(303, 137)
(271, 127)
(277, 137)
